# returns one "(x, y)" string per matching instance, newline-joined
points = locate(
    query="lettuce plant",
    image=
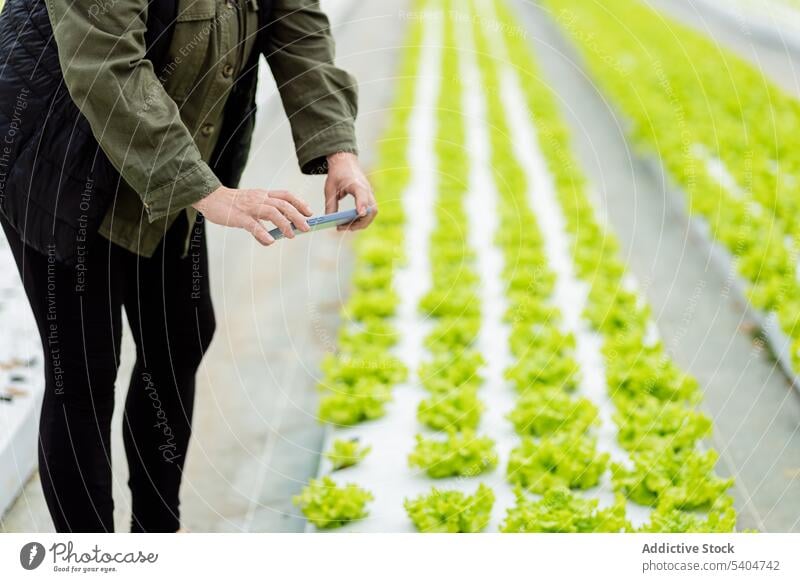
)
(451, 511)
(683, 480)
(613, 309)
(535, 282)
(448, 371)
(375, 365)
(721, 518)
(563, 460)
(378, 252)
(380, 303)
(328, 505)
(562, 511)
(525, 308)
(373, 279)
(451, 302)
(456, 409)
(346, 404)
(526, 338)
(649, 424)
(542, 370)
(542, 413)
(374, 333)
(453, 334)
(635, 370)
(461, 454)
(346, 453)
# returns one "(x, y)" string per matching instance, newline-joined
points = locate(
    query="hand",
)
(345, 177)
(245, 208)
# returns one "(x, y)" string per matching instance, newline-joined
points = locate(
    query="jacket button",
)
(227, 70)
(207, 129)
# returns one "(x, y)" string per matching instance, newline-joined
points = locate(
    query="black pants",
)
(78, 311)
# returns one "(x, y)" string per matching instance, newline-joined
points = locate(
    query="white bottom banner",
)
(370, 557)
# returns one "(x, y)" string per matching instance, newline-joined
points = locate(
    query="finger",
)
(268, 212)
(363, 196)
(260, 233)
(360, 223)
(357, 224)
(331, 197)
(293, 214)
(295, 201)
(364, 221)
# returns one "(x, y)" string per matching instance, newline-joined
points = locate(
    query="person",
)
(126, 125)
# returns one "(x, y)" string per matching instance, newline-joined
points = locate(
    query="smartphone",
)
(325, 221)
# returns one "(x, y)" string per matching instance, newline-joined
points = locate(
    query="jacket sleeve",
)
(138, 126)
(319, 98)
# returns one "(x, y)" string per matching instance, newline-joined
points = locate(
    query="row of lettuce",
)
(452, 374)
(692, 101)
(557, 464)
(357, 381)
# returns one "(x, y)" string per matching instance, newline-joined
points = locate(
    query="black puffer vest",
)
(56, 184)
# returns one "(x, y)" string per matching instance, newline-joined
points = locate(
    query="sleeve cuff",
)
(312, 154)
(188, 188)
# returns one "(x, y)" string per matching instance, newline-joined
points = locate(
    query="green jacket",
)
(160, 128)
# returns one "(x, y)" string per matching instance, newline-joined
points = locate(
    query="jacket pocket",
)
(190, 47)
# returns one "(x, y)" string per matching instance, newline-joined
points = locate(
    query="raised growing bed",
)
(699, 110)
